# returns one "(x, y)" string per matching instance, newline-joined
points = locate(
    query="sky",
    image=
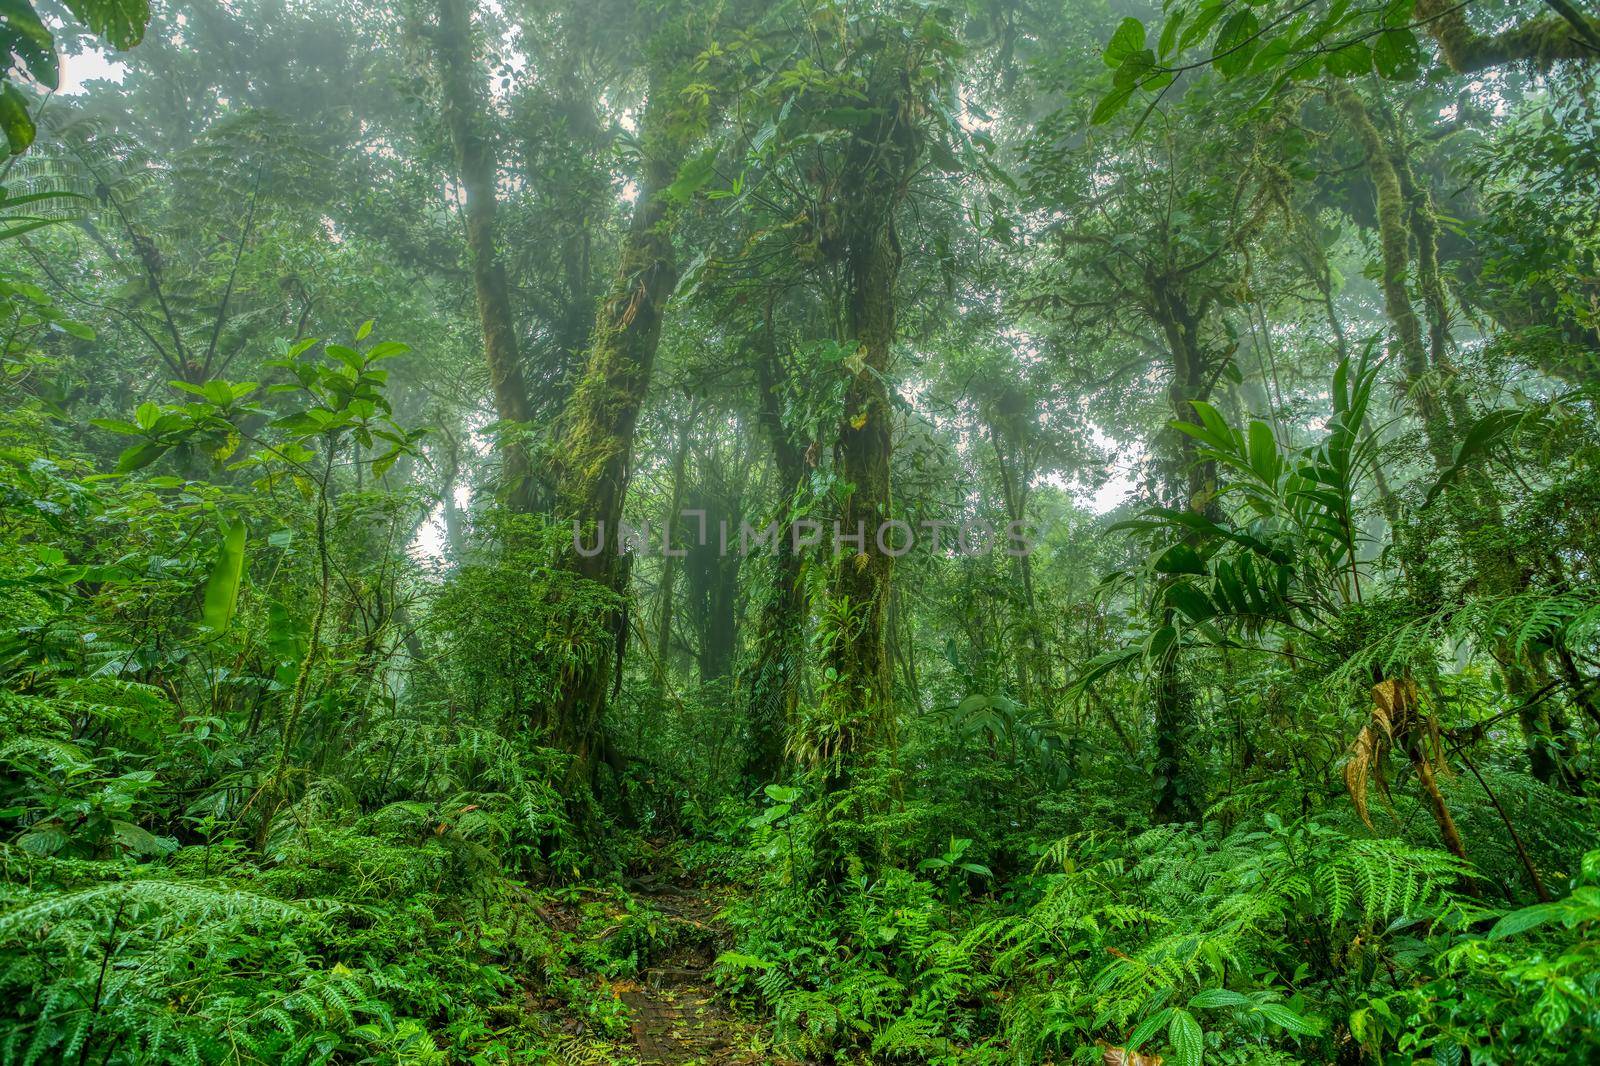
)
(88, 66)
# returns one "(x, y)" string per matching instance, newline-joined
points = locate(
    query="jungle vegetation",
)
(776, 531)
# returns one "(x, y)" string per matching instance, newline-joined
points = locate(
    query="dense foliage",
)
(987, 533)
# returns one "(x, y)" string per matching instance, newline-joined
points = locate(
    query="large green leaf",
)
(120, 22)
(1128, 40)
(1194, 604)
(1486, 433)
(1180, 559)
(692, 177)
(1288, 1020)
(1188, 1042)
(1236, 43)
(1397, 55)
(222, 587)
(1527, 918)
(1110, 104)
(19, 130)
(25, 37)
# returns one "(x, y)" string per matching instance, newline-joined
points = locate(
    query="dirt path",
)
(676, 1017)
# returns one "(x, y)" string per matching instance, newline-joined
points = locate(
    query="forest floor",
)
(676, 1015)
(674, 1011)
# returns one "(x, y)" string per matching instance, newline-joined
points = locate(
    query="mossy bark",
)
(1394, 239)
(1543, 41)
(671, 546)
(461, 107)
(594, 451)
(1407, 221)
(853, 727)
(771, 681)
(881, 157)
(1178, 797)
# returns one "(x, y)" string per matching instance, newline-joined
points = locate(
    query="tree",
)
(475, 163)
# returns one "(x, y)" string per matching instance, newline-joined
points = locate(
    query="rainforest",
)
(800, 532)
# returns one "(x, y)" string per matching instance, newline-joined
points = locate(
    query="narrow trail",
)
(677, 1018)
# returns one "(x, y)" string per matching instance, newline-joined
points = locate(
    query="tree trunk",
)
(1405, 215)
(860, 585)
(1177, 785)
(1394, 239)
(597, 443)
(856, 715)
(772, 681)
(669, 560)
(475, 162)
(1014, 492)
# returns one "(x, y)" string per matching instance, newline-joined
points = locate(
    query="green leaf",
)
(1527, 918)
(117, 425)
(1188, 1042)
(1236, 43)
(1351, 61)
(138, 456)
(1148, 1028)
(1487, 432)
(120, 22)
(20, 131)
(1209, 13)
(1110, 104)
(1180, 559)
(692, 177)
(1126, 41)
(1288, 1020)
(1397, 55)
(1272, 55)
(1219, 997)
(1159, 641)
(76, 329)
(1194, 604)
(27, 39)
(1169, 32)
(1135, 67)
(222, 587)
(386, 350)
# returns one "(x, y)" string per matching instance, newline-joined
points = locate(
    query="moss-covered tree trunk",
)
(879, 160)
(771, 681)
(1407, 221)
(1563, 35)
(854, 725)
(596, 445)
(1394, 240)
(1177, 783)
(462, 109)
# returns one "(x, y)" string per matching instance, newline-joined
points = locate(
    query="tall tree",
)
(595, 448)
(461, 92)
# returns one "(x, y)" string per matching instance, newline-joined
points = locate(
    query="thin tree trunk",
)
(475, 161)
(773, 679)
(669, 560)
